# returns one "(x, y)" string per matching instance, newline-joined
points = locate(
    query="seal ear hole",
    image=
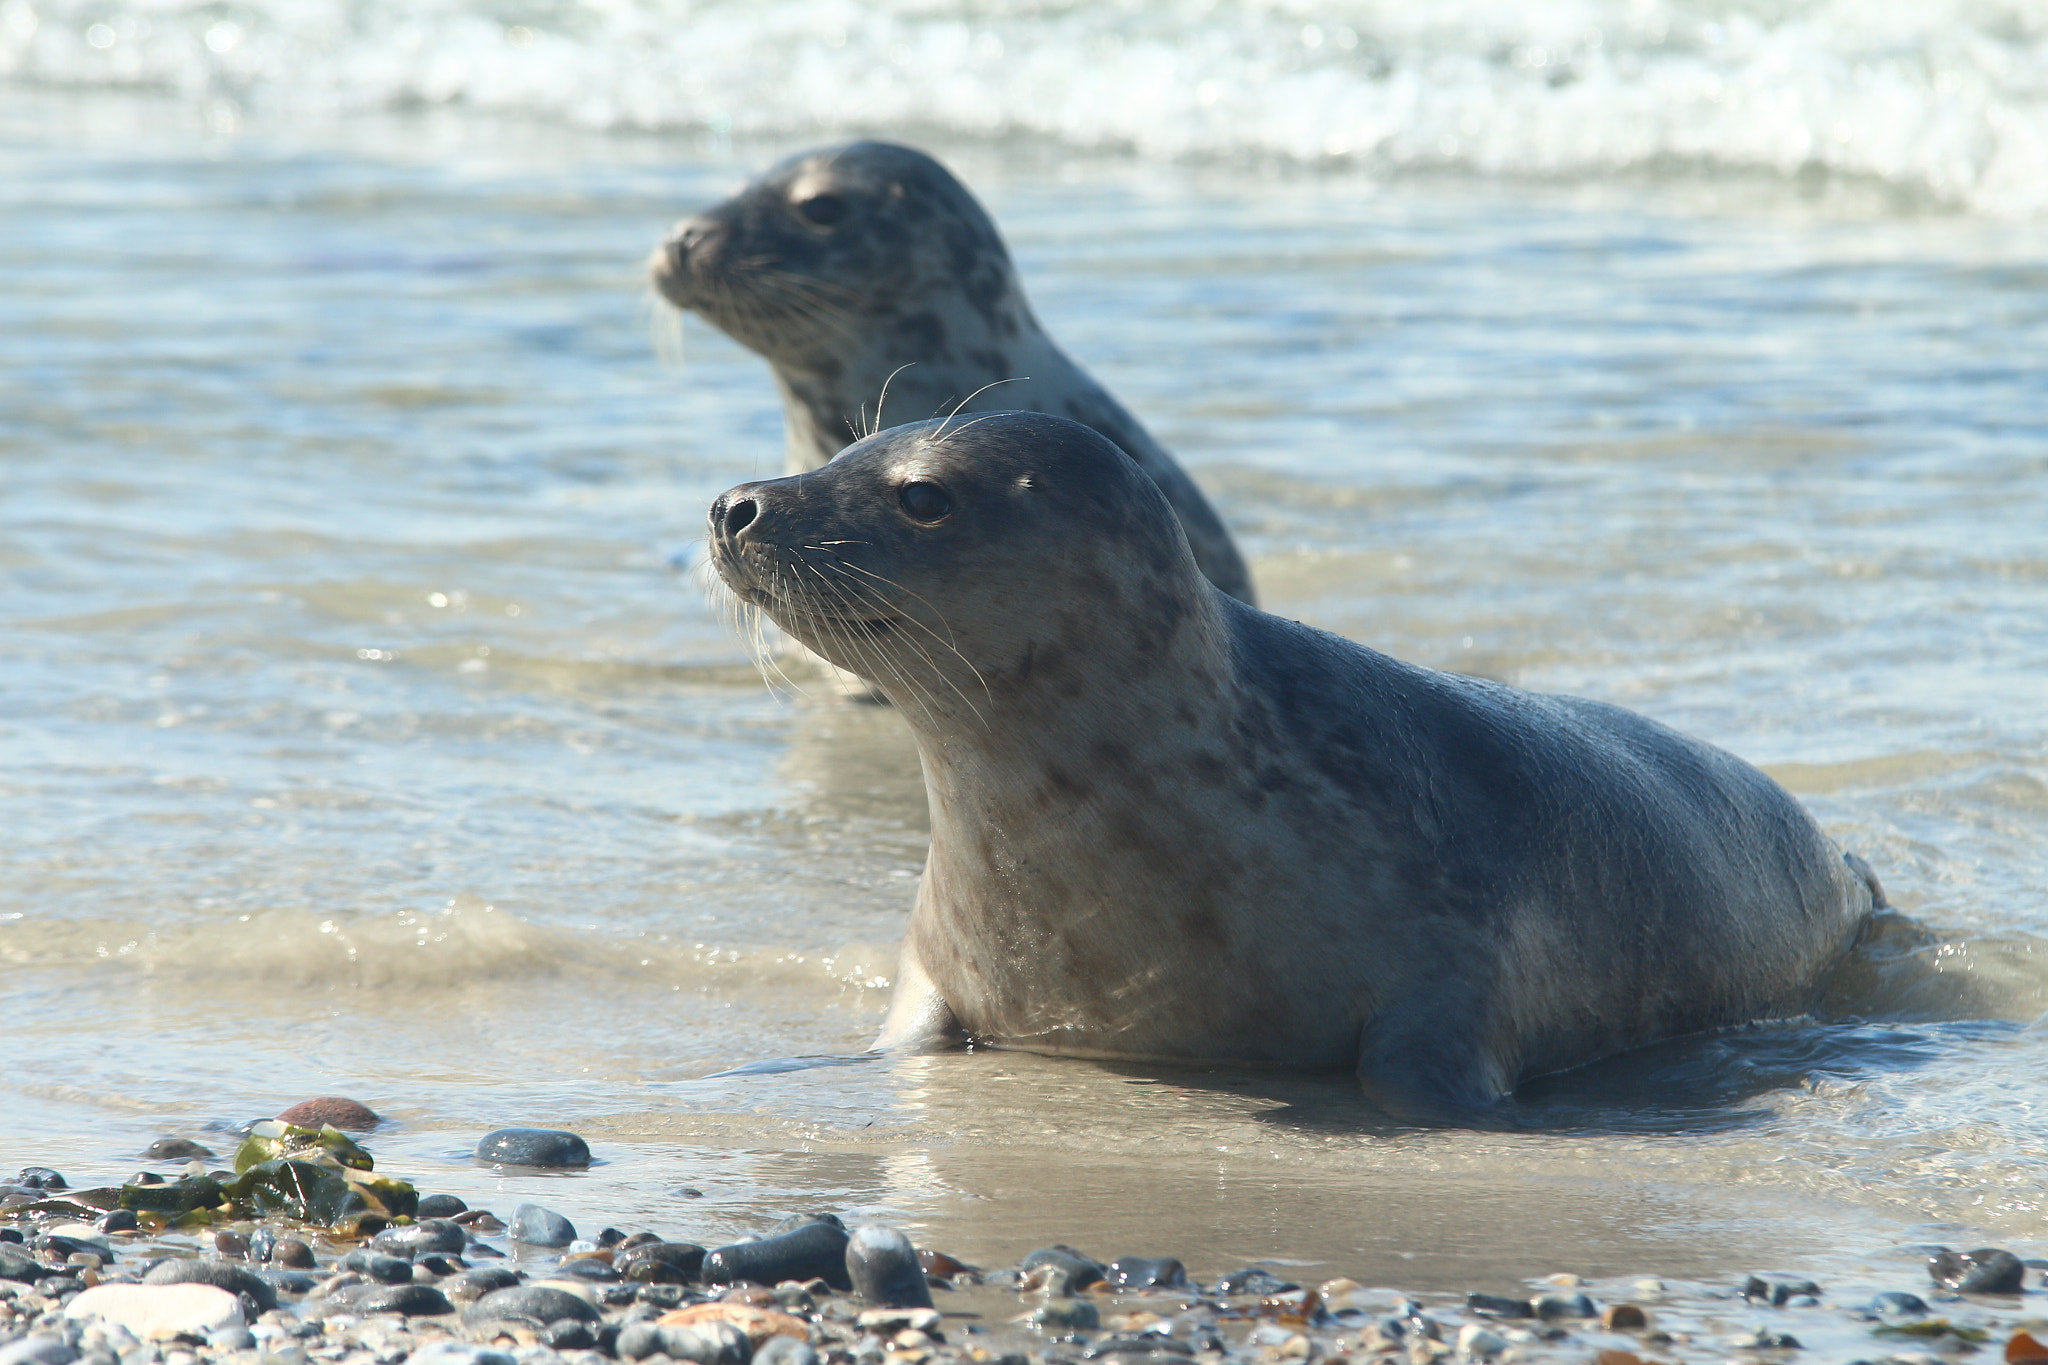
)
(923, 500)
(824, 210)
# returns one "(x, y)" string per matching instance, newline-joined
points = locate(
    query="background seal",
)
(868, 269)
(1168, 826)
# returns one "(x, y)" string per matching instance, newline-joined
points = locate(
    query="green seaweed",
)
(175, 1198)
(274, 1141)
(318, 1192)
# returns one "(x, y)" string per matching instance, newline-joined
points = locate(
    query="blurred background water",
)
(358, 734)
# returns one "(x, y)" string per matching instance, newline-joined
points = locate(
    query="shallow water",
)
(360, 735)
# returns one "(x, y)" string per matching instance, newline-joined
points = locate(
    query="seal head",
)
(1168, 826)
(878, 289)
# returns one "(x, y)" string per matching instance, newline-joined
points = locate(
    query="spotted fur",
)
(1167, 825)
(904, 306)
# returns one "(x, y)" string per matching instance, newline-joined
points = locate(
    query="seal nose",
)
(735, 515)
(689, 236)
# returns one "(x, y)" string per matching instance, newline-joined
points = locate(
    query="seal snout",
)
(738, 515)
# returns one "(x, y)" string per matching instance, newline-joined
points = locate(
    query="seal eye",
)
(925, 502)
(825, 210)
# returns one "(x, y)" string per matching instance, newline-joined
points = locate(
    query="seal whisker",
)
(868, 649)
(949, 642)
(940, 434)
(922, 652)
(883, 398)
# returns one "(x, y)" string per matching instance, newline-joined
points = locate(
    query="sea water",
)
(365, 729)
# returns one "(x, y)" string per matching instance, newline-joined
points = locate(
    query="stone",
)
(440, 1206)
(707, 1343)
(426, 1235)
(569, 1334)
(472, 1285)
(1145, 1274)
(1623, 1317)
(813, 1250)
(759, 1323)
(382, 1269)
(539, 1303)
(1069, 1315)
(785, 1351)
(119, 1220)
(290, 1251)
(1499, 1306)
(413, 1300)
(1987, 1270)
(449, 1352)
(41, 1178)
(37, 1348)
(662, 1263)
(1067, 1271)
(1477, 1343)
(331, 1111)
(1257, 1280)
(234, 1279)
(1897, 1304)
(17, 1264)
(231, 1339)
(547, 1147)
(1551, 1307)
(176, 1149)
(637, 1341)
(159, 1310)
(541, 1227)
(884, 1268)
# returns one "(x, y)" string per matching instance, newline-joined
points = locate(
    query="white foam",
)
(1943, 99)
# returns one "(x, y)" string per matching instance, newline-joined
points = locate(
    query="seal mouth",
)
(798, 606)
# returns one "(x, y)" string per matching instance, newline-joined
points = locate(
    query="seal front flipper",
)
(1420, 1067)
(919, 1019)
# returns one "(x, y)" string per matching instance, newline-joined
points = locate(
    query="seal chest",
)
(1167, 825)
(877, 288)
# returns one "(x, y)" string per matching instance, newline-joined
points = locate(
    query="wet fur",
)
(1166, 825)
(913, 291)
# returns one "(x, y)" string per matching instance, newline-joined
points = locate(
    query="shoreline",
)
(177, 1272)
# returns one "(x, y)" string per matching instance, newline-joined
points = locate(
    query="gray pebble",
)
(541, 1227)
(427, 1235)
(884, 1269)
(781, 1350)
(538, 1302)
(638, 1340)
(472, 1285)
(175, 1149)
(459, 1353)
(413, 1300)
(234, 1279)
(232, 1339)
(439, 1206)
(37, 1348)
(533, 1147)
(708, 1343)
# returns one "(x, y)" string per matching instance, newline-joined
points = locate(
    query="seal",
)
(1169, 827)
(873, 284)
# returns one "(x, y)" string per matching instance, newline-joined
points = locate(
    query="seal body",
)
(1168, 826)
(879, 290)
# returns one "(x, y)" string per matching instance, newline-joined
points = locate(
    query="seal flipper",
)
(1423, 1068)
(1869, 876)
(919, 1019)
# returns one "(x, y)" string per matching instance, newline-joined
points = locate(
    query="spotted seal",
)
(1169, 826)
(875, 286)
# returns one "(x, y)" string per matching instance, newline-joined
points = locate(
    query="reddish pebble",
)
(939, 1263)
(331, 1111)
(1623, 1317)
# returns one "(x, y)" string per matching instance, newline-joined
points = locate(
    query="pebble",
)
(1139, 1274)
(1065, 1315)
(662, 1263)
(176, 1149)
(38, 1348)
(331, 1111)
(234, 1279)
(1477, 1343)
(381, 1269)
(472, 1285)
(1499, 1306)
(884, 1268)
(426, 1235)
(541, 1227)
(459, 1353)
(413, 1300)
(290, 1251)
(710, 1343)
(1255, 1280)
(1623, 1317)
(1987, 1270)
(1897, 1304)
(758, 1322)
(1066, 1271)
(153, 1310)
(785, 1351)
(541, 1303)
(811, 1251)
(439, 1206)
(550, 1147)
